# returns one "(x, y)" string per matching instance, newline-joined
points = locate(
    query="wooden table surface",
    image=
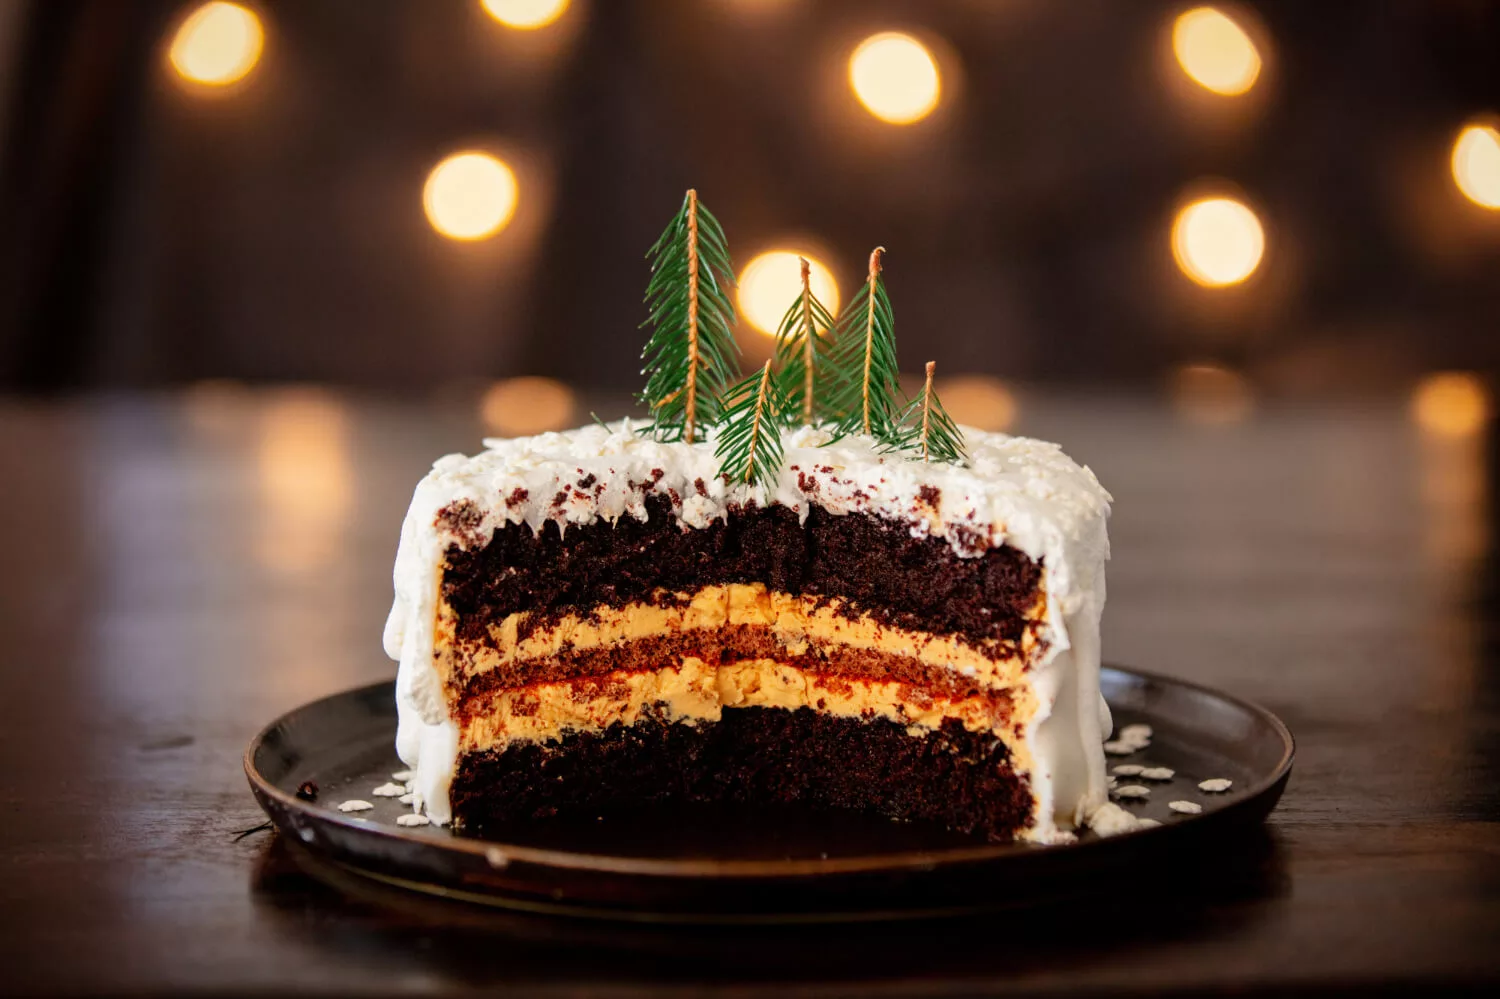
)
(178, 570)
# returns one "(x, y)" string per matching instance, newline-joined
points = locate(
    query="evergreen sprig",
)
(692, 355)
(926, 428)
(804, 349)
(863, 369)
(749, 444)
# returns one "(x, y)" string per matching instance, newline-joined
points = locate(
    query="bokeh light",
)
(1215, 52)
(470, 196)
(1211, 394)
(306, 479)
(1218, 241)
(981, 401)
(217, 44)
(1476, 165)
(525, 15)
(520, 407)
(1450, 404)
(771, 282)
(895, 77)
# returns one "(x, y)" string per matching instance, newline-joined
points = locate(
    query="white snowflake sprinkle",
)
(1132, 791)
(355, 805)
(1147, 823)
(1135, 733)
(1215, 785)
(412, 820)
(1128, 769)
(389, 791)
(1157, 773)
(1112, 781)
(407, 799)
(1185, 807)
(1121, 748)
(402, 776)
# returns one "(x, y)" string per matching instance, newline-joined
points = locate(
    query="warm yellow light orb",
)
(525, 15)
(981, 401)
(470, 196)
(520, 407)
(1211, 394)
(1450, 404)
(1218, 241)
(217, 44)
(1476, 165)
(1215, 52)
(771, 282)
(895, 77)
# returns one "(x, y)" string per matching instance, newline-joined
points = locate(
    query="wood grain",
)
(181, 569)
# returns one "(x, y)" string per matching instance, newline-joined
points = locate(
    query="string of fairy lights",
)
(1216, 238)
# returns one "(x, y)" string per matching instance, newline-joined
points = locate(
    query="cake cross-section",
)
(597, 618)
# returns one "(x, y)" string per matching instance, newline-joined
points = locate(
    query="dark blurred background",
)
(235, 193)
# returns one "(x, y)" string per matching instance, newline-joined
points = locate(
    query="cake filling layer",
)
(733, 621)
(693, 691)
(874, 567)
(757, 755)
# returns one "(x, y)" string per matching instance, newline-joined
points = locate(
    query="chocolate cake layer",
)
(873, 564)
(715, 646)
(757, 756)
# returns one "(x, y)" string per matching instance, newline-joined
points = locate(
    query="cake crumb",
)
(1215, 785)
(355, 805)
(407, 798)
(412, 820)
(1132, 791)
(389, 791)
(402, 776)
(1185, 807)
(1109, 819)
(1128, 769)
(1157, 773)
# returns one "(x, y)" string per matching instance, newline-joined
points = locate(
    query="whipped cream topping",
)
(1017, 491)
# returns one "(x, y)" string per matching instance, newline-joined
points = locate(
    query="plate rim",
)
(499, 855)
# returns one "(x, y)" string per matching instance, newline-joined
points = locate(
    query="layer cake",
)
(598, 618)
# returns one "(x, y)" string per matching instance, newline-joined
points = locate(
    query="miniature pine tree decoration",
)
(692, 354)
(864, 363)
(928, 430)
(749, 444)
(803, 348)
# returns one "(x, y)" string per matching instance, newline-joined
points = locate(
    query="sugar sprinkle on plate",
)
(407, 799)
(1132, 791)
(1185, 807)
(355, 805)
(402, 776)
(412, 820)
(1128, 769)
(389, 791)
(1157, 773)
(1215, 785)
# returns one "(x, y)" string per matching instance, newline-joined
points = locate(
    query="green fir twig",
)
(804, 348)
(865, 377)
(692, 355)
(749, 444)
(927, 430)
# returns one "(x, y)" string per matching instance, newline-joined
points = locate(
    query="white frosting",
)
(1016, 491)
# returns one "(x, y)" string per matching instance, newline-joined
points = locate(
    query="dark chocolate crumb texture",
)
(872, 564)
(958, 778)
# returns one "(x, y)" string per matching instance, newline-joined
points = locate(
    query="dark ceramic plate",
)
(705, 863)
